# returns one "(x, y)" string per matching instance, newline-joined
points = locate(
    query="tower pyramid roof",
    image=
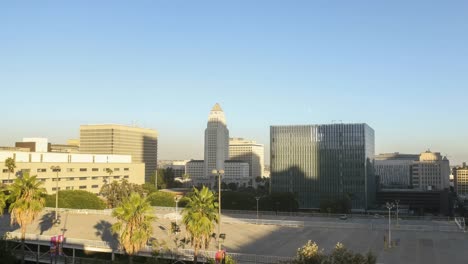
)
(217, 107)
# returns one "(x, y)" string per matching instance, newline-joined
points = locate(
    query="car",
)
(343, 217)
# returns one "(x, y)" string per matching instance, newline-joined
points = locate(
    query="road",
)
(281, 239)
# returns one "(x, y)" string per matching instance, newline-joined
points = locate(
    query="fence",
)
(178, 254)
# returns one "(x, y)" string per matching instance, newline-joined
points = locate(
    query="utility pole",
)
(219, 173)
(56, 169)
(390, 207)
(397, 202)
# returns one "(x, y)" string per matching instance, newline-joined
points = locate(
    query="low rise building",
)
(77, 171)
(461, 180)
(394, 169)
(248, 151)
(234, 172)
(431, 172)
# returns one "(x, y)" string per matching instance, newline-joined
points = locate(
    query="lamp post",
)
(257, 198)
(56, 169)
(397, 202)
(176, 199)
(389, 207)
(219, 173)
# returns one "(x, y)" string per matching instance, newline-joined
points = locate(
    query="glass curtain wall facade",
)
(323, 162)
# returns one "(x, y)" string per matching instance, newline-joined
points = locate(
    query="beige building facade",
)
(431, 172)
(461, 180)
(140, 143)
(77, 171)
(250, 152)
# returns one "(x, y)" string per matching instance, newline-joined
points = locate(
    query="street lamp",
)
(219, 173)
(390, 207)
(176, 199)
(56, 169)
(257, 198)
(397, 202)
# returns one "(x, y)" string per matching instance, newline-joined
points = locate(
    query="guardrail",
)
(260, 213)
(180, 254)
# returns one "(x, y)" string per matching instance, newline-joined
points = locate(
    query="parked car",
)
(344, 217)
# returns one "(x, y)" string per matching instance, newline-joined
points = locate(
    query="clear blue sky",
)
(400, 66)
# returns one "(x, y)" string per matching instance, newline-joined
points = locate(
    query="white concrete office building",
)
(216, 140)
(217, 155)
(431, 172)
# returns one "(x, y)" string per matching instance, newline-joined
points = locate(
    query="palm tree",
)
(199, 216)
(3, 199)
(27, 201)
(133, 225)
(11, 165)
(108, 171)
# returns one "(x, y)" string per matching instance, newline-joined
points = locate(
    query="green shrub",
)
(162, 199)
(76, 199)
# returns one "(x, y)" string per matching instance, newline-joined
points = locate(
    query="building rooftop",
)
(217, 107)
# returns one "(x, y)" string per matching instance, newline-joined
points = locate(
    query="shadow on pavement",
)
(46, 222)
(104, 230)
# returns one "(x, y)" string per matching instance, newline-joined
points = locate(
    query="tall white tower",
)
(216, 141)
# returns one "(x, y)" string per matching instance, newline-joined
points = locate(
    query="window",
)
(95, 169)
(82, 178)
(41, 170)
(54, 188)
(116, 169)
(55, 179)
(42, 180)
(126, 169)
(83, 169)
(116, 177)
(83, 187)
(70, 179)
(5, 170)
(70, 169)
(7, 181)
(95, 186)
(94, 178)
(126, 177)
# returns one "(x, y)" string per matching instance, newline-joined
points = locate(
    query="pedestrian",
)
(224, 256)
(218, 256)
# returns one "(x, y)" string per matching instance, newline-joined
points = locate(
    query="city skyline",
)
(190, 155)
(399, 67)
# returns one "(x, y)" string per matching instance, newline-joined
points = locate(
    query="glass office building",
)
(323, 162)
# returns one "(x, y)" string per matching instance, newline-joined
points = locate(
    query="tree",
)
(336, 205)
(3, 199)
(162, 199)
(108, 171)
(76, 199)
(232, 186)
(161, 179)
(133, 225)
(309, 254)
(199, 216)
(27, 201)
(116, 192)
(11, 165)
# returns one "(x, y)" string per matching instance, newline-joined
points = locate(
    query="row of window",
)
(81, 187)
(85, 178)
(69, 170)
